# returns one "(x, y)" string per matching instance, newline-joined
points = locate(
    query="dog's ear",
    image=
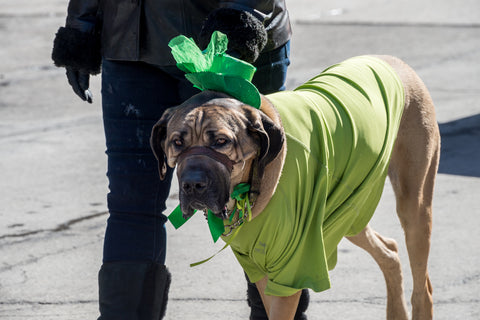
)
(157, 140)
(270, 136)
(270, 144)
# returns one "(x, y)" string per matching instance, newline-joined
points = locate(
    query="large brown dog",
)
(214, 141)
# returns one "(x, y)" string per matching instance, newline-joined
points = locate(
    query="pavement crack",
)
(61, 227)
(205, 299)
(31, 302)
(68, 224)
(31, 259)
(50, 127)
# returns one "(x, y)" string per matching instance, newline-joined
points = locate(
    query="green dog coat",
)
(340, 131)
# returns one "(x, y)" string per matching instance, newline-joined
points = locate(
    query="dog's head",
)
(213, 140)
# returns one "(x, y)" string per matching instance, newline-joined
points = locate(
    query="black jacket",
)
(139, 30)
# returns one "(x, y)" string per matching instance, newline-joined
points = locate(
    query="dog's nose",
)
(197, 187)
(194, 183)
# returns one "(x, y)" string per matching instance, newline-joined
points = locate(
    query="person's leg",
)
(272, 68)
(133, 281)
(134, 98)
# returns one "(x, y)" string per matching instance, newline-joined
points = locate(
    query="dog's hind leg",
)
(412, 171)
(385, 253)
(412, 175)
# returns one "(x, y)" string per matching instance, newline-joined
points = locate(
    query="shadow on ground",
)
(461, 147)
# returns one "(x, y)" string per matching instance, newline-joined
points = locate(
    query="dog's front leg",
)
(278, 308)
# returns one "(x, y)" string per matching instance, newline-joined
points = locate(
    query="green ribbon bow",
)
(216, 224)
(213, 69)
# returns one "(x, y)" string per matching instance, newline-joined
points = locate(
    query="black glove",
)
(80, 54)
(80, 82)
(246, 34)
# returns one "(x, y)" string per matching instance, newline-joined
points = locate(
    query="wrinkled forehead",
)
(207, 110)
(209, 118)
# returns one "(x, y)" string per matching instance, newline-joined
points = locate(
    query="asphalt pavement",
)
(53, 185)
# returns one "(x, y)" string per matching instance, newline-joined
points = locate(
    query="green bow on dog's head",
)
(215, 70)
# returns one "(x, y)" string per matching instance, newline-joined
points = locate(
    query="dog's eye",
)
(178, 142)
(221, 142)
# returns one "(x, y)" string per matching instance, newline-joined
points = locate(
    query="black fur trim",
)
(246, 34)
(77, 50)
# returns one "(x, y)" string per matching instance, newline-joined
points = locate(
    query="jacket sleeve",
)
(77, 45)
(82, 15)
(259, 9)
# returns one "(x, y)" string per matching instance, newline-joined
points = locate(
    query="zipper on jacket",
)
(139, 8)
(184, 18)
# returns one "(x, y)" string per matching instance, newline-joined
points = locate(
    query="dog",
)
(334, 172)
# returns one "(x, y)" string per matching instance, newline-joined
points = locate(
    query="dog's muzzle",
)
(204, 180)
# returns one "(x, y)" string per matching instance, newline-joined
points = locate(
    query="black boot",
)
(133, 291)
(257, 309)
